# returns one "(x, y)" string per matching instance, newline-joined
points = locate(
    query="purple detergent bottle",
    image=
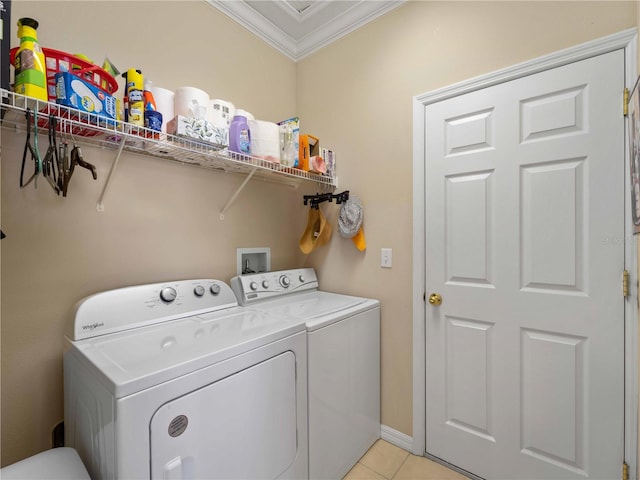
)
(239, 134)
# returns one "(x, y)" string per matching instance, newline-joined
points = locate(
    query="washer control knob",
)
(253, 286)
(284, 281)
(168, 294)
(265, 284)
(215, 289)
(198, 290)
(301, 278)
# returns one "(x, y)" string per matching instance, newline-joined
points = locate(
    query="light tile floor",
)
(385, 461)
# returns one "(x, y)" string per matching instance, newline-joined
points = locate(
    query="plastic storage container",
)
(58, 61)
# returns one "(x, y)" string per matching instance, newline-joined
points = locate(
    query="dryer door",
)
(240, 427)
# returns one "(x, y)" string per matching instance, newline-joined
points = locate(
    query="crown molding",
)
(359, 15)
(355, 17)
(313, 9)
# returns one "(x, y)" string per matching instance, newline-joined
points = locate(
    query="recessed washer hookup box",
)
(74, 92)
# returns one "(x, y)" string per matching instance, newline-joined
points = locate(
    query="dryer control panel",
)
(139, 305)
(260, 286)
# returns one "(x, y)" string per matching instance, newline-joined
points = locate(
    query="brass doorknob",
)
(435, 299)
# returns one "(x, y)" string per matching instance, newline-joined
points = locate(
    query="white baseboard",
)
(396, 438)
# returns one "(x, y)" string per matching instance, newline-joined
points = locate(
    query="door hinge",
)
(424, 297)
(625, 102)
(625, 471)
(625, 283)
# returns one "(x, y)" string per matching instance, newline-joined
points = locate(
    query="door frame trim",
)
(627, 40)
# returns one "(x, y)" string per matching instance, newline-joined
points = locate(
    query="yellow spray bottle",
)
(30, 74)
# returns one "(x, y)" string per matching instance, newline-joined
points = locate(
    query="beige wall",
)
(364, 110)
(161, 220)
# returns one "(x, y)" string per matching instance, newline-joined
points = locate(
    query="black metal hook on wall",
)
(317, 199)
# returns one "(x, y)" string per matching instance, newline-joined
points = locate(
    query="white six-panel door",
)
(524, 221)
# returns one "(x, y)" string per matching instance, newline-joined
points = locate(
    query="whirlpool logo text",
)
(93, 326)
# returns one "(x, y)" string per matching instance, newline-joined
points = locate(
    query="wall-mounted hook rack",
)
(317, 199)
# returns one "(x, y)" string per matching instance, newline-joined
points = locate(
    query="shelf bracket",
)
(236, 193)
(100, 205)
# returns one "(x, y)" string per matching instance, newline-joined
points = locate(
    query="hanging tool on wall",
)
(76, 159)
(59, 163)
(50, 162)
(63, 164)
(33, 149)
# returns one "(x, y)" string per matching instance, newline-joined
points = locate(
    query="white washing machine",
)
(343, 362)
(176, 381)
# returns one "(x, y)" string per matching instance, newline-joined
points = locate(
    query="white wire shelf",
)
(91, 129)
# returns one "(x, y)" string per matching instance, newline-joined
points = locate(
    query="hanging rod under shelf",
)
(94, 130)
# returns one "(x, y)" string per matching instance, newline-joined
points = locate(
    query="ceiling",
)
(298, 28)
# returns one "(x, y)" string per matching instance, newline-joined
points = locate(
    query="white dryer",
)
(175, 380)
(343, 362)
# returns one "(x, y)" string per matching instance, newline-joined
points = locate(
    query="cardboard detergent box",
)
(198, 129)
(74, 92)
(309, 147)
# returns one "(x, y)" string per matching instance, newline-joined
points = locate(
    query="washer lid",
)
(317, 308)
(133, 360)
